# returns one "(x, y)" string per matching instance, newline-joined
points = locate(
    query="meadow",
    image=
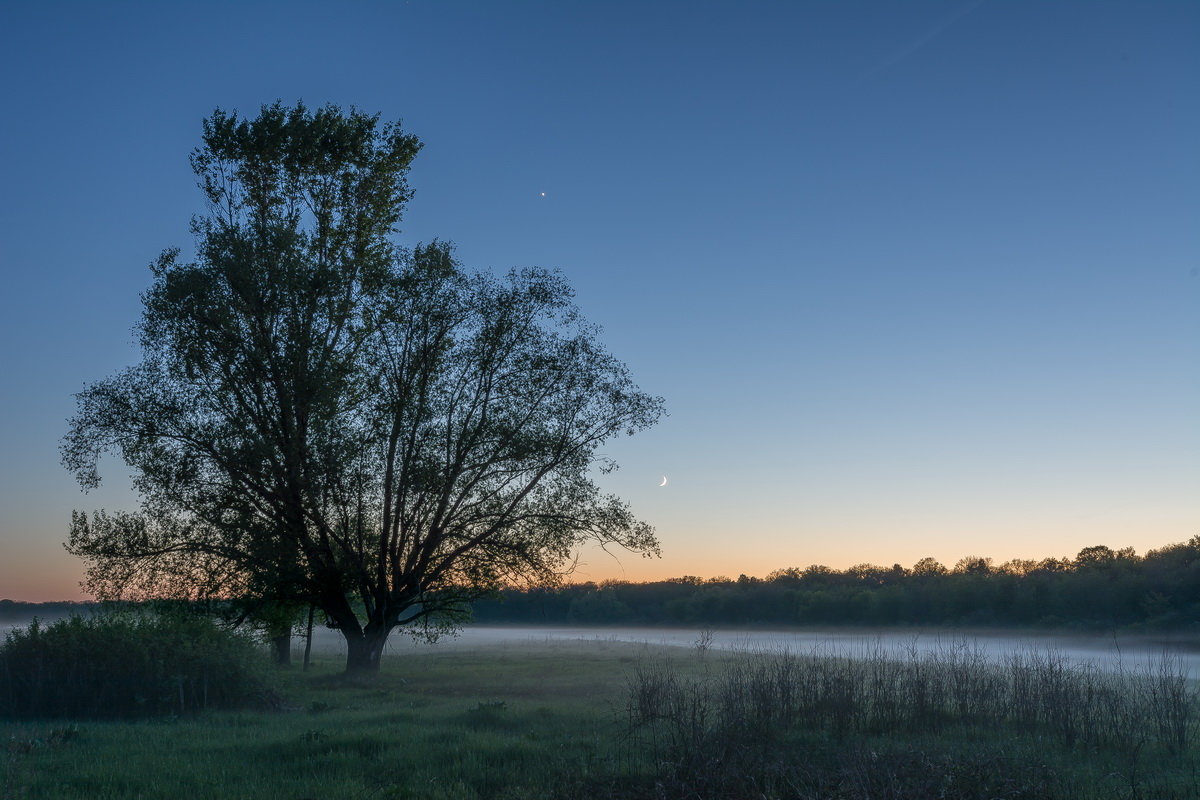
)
(624, 720)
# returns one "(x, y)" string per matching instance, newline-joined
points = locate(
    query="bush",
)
(120, 666)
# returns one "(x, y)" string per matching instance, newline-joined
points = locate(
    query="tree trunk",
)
(281, 648)
(308, 636)
(363, 652)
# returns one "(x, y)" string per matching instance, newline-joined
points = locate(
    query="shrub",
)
(128, 666)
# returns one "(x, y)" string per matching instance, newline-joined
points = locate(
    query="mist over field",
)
(1105, 651)
(1109, 652)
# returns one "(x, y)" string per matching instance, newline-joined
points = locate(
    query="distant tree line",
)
(20, 611)
(1099, 588)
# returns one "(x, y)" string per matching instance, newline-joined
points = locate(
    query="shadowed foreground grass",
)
(606, 719)
(448, 723)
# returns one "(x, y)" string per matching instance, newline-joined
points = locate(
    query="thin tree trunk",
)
(308, 636)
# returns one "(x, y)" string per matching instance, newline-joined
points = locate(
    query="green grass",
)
(500, 722)
(544, 721)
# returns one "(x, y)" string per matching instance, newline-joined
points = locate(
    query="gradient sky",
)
(915, 279)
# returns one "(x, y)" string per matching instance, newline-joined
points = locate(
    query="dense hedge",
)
(129, 665)
(1099, 588)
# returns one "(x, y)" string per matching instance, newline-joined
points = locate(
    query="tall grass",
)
(123, 666)
(725, 731)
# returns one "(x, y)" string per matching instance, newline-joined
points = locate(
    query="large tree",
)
(323, 416)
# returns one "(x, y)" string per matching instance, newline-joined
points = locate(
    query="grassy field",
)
(602, 719)
(498, 722)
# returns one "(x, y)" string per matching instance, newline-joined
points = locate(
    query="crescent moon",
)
(664, 481)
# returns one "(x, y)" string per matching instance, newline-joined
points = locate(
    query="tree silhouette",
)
(321, 416)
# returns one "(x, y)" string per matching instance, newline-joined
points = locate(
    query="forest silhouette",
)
(1100, 588)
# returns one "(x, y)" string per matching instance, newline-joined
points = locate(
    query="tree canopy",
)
(323, 416)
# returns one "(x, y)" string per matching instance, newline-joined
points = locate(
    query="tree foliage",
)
(322, 416)
(1158, 591)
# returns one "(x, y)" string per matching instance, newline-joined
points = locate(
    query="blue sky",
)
(913, 278)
